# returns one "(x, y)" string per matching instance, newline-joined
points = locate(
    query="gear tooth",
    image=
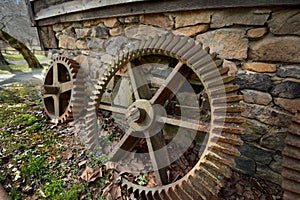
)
(192, 191)
(186, 191)
(173, 194)
(204, 185)
(222, 158)
(163, 195)
(213, 55)
(207, 49)
(183, 41)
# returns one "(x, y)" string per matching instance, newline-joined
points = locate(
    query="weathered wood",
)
(47, 37)
(66, 7)
(102, 10)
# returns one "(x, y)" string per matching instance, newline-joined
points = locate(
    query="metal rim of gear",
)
(58, 89)
(207, 176)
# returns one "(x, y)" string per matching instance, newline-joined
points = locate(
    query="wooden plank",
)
(148, 7)
(47, 38)
(63, 8)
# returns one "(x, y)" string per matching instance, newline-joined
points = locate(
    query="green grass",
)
(36, 154)
(20, 57)
(4, 72)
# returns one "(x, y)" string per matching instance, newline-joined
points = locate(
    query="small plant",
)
(142, 179)
(54, 190)
(15, 194)
(35, 166)
(62, 148)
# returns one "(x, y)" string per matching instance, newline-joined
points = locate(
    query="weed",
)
(54, 189)
(142, 179)
(15, 194)
(35, 166)
(62, 148)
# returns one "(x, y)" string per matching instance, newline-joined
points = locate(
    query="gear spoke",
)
(55, 73)
(173, 83)
(125, 145)
(139, 82)
(66, 86)
(56, 105)
(184, 124)
(158, 155)
(51, 89)
(115, 109)
(48, 95)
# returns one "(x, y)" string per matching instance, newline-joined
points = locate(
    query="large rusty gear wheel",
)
(222, 130)
(58, 89)
(291, 161)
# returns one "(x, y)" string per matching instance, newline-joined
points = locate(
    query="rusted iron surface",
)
(143, 118)
(291, 161)
(58, 89)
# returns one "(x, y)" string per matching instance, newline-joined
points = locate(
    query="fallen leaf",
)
(91, 174)
(151, 180)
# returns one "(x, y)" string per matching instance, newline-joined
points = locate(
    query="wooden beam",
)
(63, 7)
(147, 7)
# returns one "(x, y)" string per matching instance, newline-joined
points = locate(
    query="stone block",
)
(245, 164)
(292, 71)
(183, 19)
(267, 115)
(241, 16)
(81, 44)
(114, 44)
(67, 42)
(83, 62)
(116, 31)
(265, 172)
(285, 22)
(100, 31)
(273, 141)
(143, 31)
(192, 30)
(90, 23)
(231, 66)
(276, 164)
(291, 105)
(230, 43)
(58, 27)
(256, 32)
(254, 130)
(83, 32)
(256, 97)
(256, 153)
(287, 89)
(259, 67)
(129, 20)
(260, 82)
(159, 20)
(276, 49)
(111, 22)
(95, 43)
(70, 31)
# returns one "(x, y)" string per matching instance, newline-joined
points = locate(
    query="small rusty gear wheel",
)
(145, 86)
(58, 89)
(291, 161)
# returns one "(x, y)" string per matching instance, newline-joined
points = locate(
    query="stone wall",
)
(260, 46)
